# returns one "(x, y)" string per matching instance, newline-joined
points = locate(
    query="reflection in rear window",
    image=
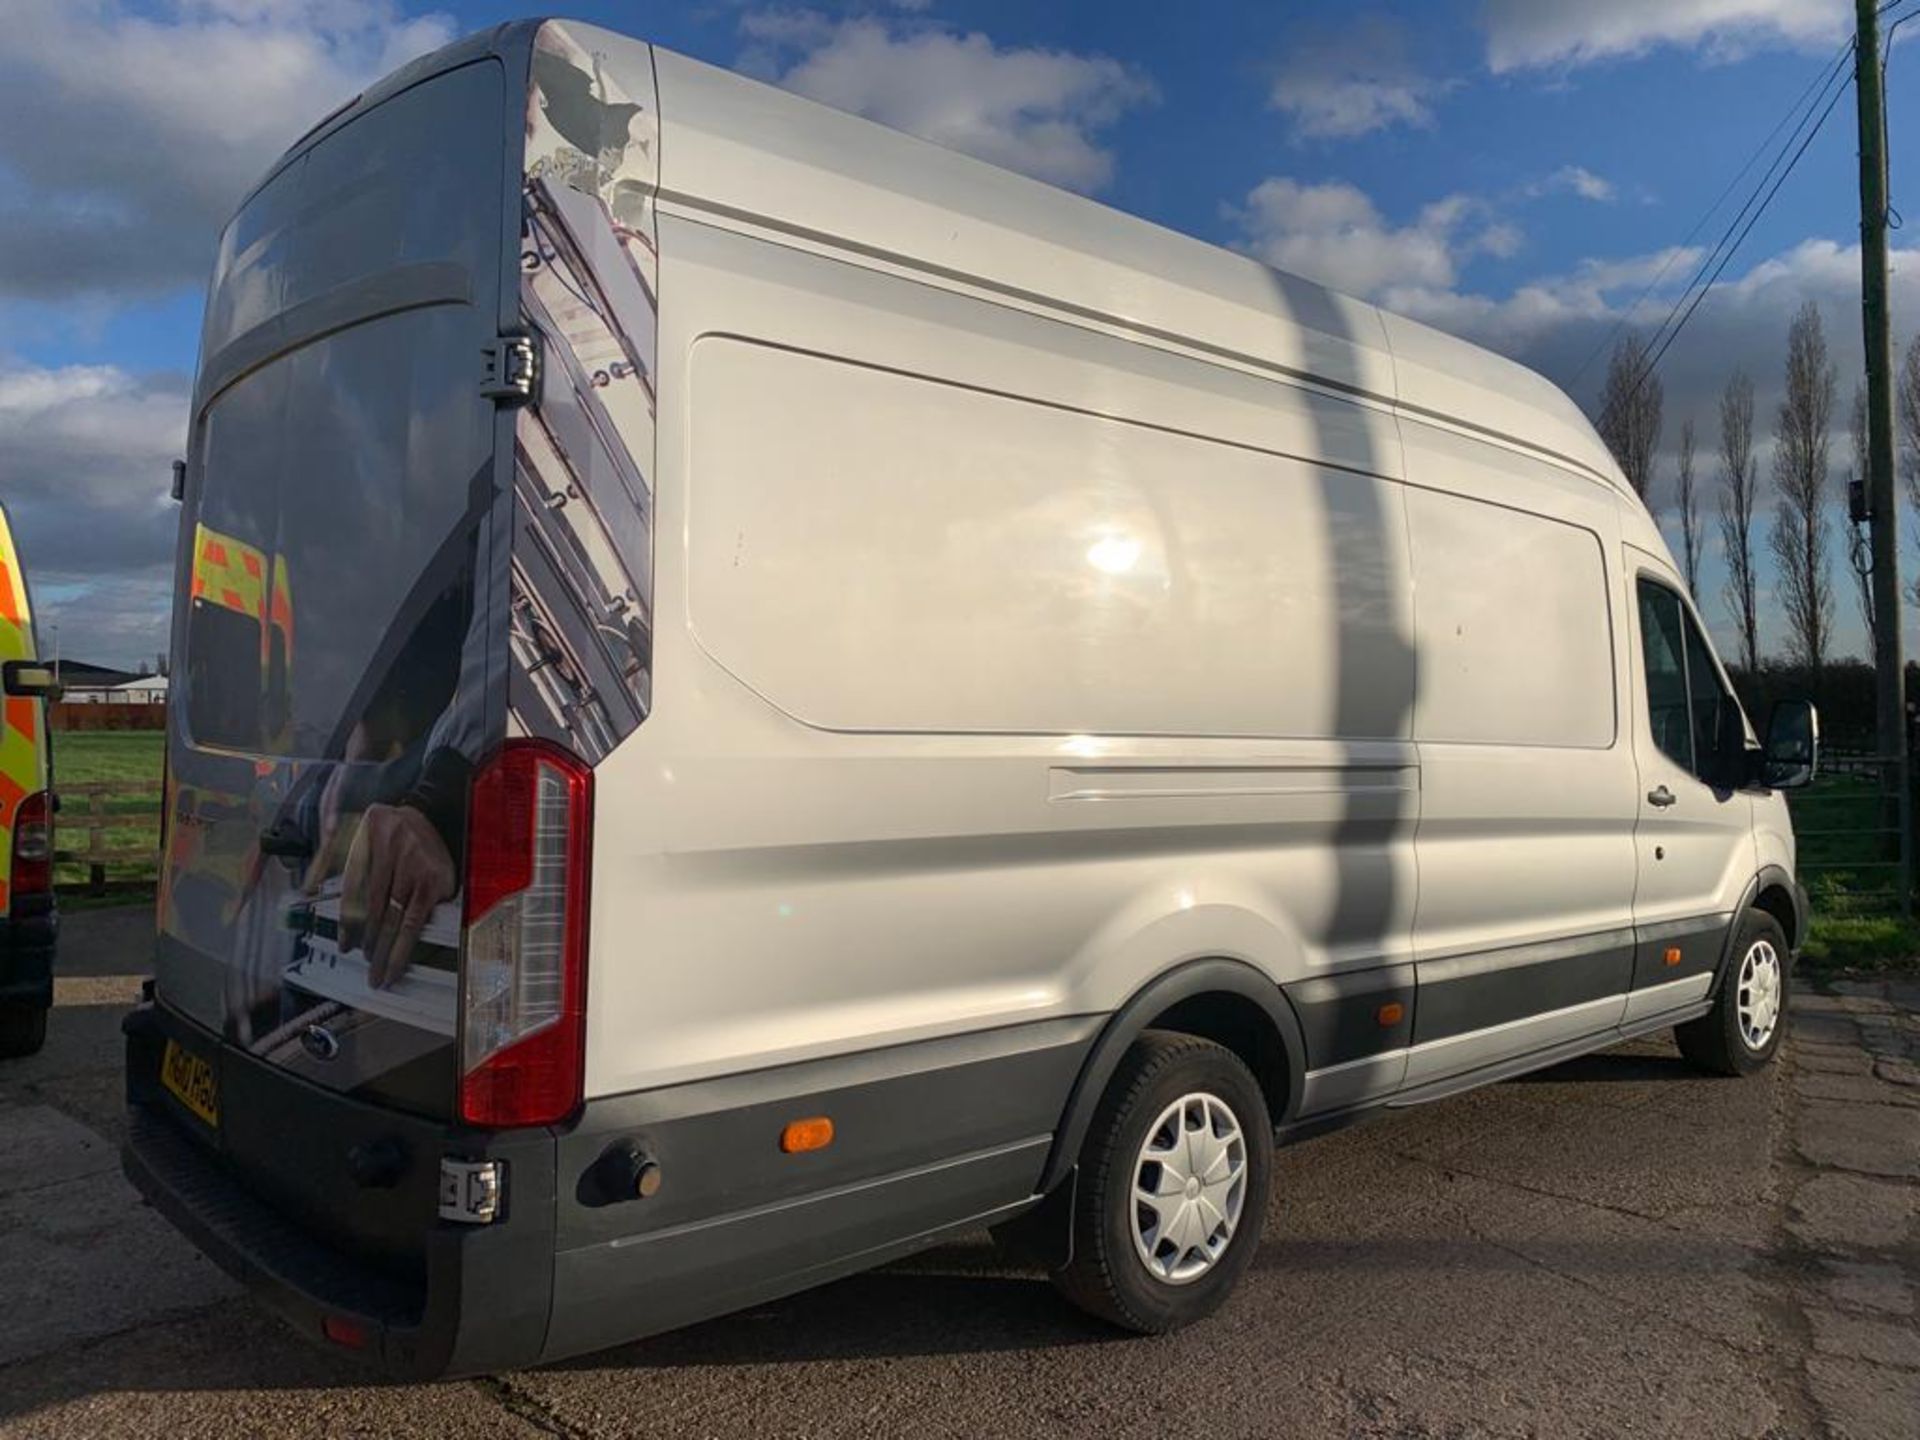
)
(333, 561)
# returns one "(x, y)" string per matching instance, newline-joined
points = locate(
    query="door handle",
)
(1660, 796)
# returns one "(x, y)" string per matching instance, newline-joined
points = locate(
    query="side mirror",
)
(1791, 756)
(29, 680)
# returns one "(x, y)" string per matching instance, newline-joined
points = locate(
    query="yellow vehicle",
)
(27, 920)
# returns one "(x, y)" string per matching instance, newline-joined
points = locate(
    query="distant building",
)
(79, 675)
(83, 684)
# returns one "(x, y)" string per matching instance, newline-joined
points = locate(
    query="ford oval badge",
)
(320, 1042)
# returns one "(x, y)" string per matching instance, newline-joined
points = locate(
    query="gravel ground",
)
(1613, 1247)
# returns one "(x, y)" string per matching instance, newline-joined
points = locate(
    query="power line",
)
(1722, 253)
(1824, 78)
(1834, 71)
(1712, 279)
(1894, 219)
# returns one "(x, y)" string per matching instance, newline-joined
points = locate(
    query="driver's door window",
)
(1692, 715)
(1663, 651)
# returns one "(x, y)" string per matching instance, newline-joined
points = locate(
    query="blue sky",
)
(1510, 169)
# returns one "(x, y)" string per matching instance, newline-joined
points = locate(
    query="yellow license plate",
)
(191, 1080)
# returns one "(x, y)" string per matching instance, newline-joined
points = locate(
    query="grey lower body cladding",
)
(1357, 1014)
(931, 1138)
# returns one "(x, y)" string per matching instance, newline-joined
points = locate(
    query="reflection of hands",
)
(398, 869)
(334, 836)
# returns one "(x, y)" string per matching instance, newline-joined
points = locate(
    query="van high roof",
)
(738, 146)
(816, 175)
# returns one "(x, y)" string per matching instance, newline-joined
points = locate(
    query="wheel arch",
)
(1776, 894)
(1774, 891)
(1224, 1000)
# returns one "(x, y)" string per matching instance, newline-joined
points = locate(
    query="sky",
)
(1517, 171)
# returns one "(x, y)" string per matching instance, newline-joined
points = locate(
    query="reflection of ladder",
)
(426, 996)
(552, 675)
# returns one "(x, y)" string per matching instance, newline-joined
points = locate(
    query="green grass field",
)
(80, 756)
(1845, 832)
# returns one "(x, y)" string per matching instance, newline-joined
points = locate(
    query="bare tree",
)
(1859, 556)
(1739, 490)
(1800, 525)
(1630, 406)
(1691, 534)
(1907, 402)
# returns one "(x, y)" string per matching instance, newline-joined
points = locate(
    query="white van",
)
(751, 693)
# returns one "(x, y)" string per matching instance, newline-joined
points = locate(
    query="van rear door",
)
(341, 599)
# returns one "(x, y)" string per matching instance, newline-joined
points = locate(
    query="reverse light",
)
(33, 846)
(523, 981)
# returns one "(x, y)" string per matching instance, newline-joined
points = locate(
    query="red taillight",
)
(524, 975)
(33, 846)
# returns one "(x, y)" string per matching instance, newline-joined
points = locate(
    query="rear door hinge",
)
(510, 370)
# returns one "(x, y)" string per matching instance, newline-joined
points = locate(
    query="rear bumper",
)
(27, 942)
(470, 1299)
(936, 1137)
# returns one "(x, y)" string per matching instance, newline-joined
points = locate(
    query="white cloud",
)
(1562, 324)
(85, 463)
(128, 132)
(1340, 84)
(1559, 324)
(1037, 111)
(1333, 233)
(1532, 34)
(1578, 181)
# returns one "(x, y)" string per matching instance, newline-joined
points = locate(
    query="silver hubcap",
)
(1758, 998)
(1189, 1187)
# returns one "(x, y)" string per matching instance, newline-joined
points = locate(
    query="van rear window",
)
(339, 502)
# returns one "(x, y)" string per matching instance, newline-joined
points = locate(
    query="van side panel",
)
(873, 551)
(1524, 931)
(771, 890)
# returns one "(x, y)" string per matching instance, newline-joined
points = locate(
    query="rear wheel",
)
(1748, 1021)
(1173, 1189)
(23, 1029)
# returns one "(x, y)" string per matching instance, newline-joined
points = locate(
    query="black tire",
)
(1719, 1042)
(23, 1029)
(1108, 1275)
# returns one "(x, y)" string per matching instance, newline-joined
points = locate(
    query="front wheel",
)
(1173, 1188)
(1748, 1021)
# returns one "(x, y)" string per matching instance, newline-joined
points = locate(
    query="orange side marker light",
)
(1390, 1014)
(1673, 955)
(813, 1133)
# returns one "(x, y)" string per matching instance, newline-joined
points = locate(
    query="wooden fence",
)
(121, 819)
(117, 715)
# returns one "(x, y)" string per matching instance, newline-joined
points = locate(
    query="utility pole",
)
(1888, 653)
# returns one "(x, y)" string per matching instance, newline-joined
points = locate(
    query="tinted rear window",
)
(333, 568)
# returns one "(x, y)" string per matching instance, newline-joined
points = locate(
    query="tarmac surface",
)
(1615, 1247)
